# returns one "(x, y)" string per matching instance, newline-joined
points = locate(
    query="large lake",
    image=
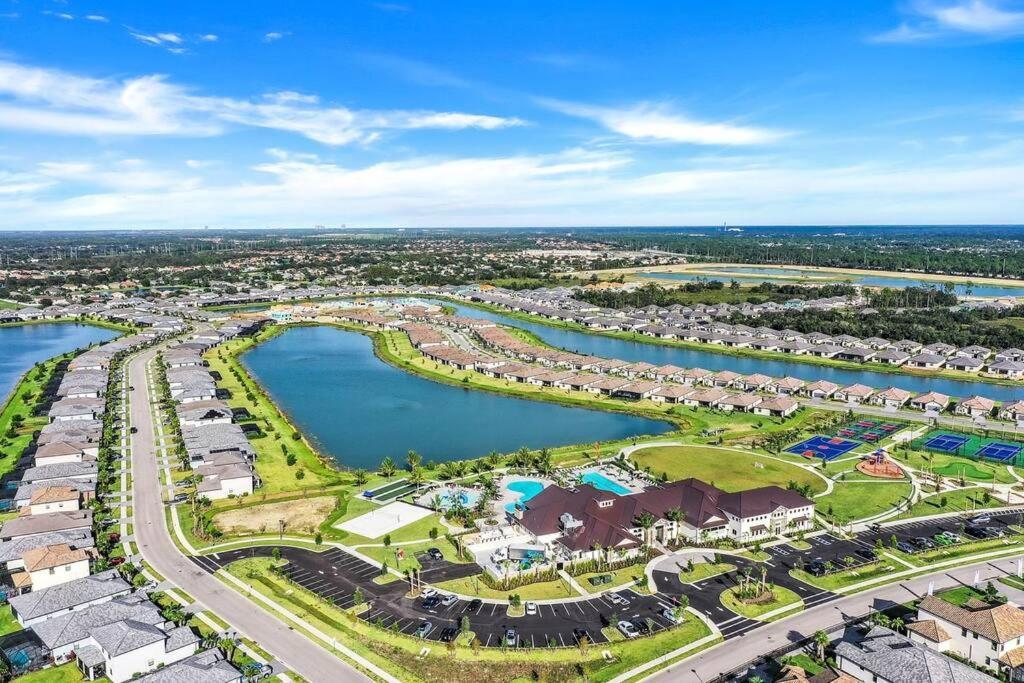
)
(612, 347)
(22, 346)
(359, 409)
(773, 274)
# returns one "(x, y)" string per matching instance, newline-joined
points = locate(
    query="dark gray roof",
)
(895, 658)
(203, 667)
(64, 596)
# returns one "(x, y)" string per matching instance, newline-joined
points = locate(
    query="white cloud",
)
(933, 19)
(209, 38)
(51, 101)
(574, 187)
(658, 123)
(60, 15)
(274, 36)
(98, 18)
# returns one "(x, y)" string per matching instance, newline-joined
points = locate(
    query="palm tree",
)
(645, 520)
(413, 460)
(416, 476)
(674, 515)
(359, 477)
(387, 468)
(542, 462)
(821, 640)
(227, 646)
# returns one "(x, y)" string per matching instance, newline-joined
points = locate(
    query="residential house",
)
(930, 401)
(975, 406)
(882, 656)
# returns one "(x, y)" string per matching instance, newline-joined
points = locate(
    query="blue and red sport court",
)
(825, 447)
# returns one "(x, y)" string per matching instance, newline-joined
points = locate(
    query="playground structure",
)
(878, 464)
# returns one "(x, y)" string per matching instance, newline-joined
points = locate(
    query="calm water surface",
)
(611, 347)
(360, 409)
(772, 274)
(23, 346)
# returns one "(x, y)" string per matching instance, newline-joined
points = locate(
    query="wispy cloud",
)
(415, 71)
(57, 102)
(659, 123)
(98, 18)
(936, 19)
(572, 61)
(274, 36)
(59, 15)
(209, 38)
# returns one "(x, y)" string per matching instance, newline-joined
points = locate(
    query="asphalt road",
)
(297, 652)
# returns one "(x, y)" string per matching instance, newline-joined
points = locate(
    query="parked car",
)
(511, 638)
(448, 634)
(975, 531)
(980, 519)
(424, 629)
(905, 547)
(134, 430)
(941, 540)
(923, 543)
(431, 601)
(474, 605)
(427, 592)
(670, 615)
(449, 600)
(531, 608)
(617, 599)
(627, 629)
(578, 634)
(954, 538)
(435, 554)
(816, 567)
(867, 554)
(642, 626)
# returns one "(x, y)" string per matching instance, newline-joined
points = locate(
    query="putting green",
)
(954, 469)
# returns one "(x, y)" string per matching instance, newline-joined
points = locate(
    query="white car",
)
(531, 608)
(449, 600)
(427, 592)
(670, 615)
(627, 629)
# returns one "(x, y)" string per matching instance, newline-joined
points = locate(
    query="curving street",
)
(297, 652)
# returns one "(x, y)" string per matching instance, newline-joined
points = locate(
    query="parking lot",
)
(335, 574)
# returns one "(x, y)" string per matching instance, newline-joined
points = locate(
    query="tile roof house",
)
(975, 406)
(989, 636)
(32, 525)
(55, 564)
(882, 656)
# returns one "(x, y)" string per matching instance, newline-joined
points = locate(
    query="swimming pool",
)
(527, 488)
(599, 481)
(466, 498)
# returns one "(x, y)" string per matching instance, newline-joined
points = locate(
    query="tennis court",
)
(868, 430)
(825, 447)
(971, 446)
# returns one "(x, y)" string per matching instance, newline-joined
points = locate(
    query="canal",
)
(773, 275)
(22, 346)
(359, 409)
(612, 347)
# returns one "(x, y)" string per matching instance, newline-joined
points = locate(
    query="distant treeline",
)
(956, 253)
(689, 293)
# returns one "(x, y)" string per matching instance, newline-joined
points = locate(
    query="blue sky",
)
(397, 113)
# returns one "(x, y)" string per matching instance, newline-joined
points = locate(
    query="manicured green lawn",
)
(960, 500)
(544, 590)
(65, 673)
(726, 468)
(409, 561)
(782, 598)
(620, 577)
(847, 578)
(851, 501)
(8, 624)
(804, 662)
(703, 570)
(952, 466)
(960, 595)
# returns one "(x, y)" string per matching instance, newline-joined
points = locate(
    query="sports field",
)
(1002, 450)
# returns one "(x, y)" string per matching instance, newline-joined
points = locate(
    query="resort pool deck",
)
(445, 497)
(603, 483)
(519, 490)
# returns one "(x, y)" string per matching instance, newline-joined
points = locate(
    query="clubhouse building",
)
(586, 522)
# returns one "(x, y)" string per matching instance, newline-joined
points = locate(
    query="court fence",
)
(996, 448)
